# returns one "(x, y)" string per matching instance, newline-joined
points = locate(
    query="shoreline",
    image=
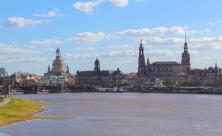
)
(18, 110)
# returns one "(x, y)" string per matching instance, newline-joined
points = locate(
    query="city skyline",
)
(110, 30)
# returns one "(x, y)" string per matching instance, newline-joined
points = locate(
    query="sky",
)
(110, 30)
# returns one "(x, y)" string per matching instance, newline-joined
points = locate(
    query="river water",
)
(124, 114)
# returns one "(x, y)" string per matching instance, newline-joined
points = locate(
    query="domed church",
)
(58, 67)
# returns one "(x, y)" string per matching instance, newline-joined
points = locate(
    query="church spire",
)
(49, 70)
(185, 61)
(216, 65)
(141, 45)
(185, 44)
(97, 66)
(148, 61)
(141, 55)
(67, 69)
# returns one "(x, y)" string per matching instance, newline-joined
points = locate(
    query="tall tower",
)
(67, 69)
(97, 66)
(49, 70)
(185, 61)
(141, 60)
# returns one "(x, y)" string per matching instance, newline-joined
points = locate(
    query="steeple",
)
(185, 60)
(141, 60)
(141, 49)
(67, 69)
(97, 66)
(148, 61)
(141, 55)
(49, 69)
(185, 44)
(216, 65)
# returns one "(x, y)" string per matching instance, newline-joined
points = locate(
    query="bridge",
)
(31, 89)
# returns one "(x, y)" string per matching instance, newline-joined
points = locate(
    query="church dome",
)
(58, 64)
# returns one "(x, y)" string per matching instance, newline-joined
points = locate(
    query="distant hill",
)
(3, 72)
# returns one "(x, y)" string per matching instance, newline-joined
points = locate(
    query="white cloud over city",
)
(50, 13)
(46, 42)
(89, 7)
(21, 22)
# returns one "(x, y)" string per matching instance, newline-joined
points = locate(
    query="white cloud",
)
(214, 22)
(13, 50)
(17, 58)
(46, 42)
(85, 49)
(152, 33)
(144, 32)
(123, 46)
(120, 3)
(51, 13)
(80, 56)
(123, 53)
(88, 7)
(21, 22)
(36, 60)
(89, 37)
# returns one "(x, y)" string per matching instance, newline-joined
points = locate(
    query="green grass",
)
(20, 110)
(1, 99)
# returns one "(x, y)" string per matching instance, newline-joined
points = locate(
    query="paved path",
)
(5, 101)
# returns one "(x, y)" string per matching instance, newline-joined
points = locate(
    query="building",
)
(205, 77)
(59, 74)
(173, 73)
(20, 79)
(170, 72)
(131, 79)
(58, 67)
(3, 72)
(185, 58)
(152, 83)
(98, 77)
(29, 80)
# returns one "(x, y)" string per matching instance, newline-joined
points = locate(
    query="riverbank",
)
(4, 101)
(1, 99)
(20, 110)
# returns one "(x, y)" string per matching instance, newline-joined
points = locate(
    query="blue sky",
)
(30, 32)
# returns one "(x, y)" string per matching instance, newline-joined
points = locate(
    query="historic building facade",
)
(98, 77)
(173, 73)
(58, 74)
(170, 72)
(185, 58)
(20, 79)
(211, 76)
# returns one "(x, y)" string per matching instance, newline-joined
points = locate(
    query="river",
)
(123, 114)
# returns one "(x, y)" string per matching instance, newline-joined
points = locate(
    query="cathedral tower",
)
(141, 60)
(97, 66)
(185, 61)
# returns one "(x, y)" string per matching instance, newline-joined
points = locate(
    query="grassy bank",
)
(1, 99)
(20, 110)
